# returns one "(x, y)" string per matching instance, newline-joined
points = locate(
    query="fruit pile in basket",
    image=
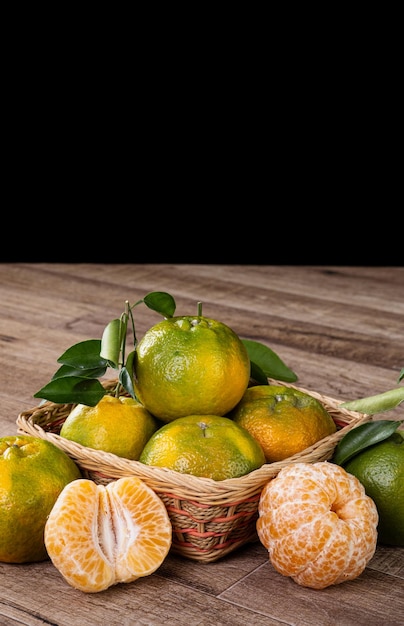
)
(194, 398)
(189, 368)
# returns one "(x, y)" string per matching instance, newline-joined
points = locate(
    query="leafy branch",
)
(76, 381)
(84, 363)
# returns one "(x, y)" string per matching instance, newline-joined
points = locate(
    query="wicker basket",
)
(210, 518)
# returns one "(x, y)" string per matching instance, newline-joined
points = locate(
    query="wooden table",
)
(341, 329)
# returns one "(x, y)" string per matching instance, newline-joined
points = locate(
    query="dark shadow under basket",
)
(209, 518)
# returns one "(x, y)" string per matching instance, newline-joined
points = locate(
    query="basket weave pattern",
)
(209, 518)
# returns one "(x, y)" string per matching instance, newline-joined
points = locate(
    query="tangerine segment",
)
(98, 536)
(317, 523)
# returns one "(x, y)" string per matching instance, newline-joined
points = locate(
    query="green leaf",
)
(111, 343)
(161, 302)
(361, 437)
(377, 404)
(66, 370)
(401, 377)
(126, 375)
(72, 389)
(84, 355)
(268, 361)
(257, 374)
(126, 381)
(129, 363)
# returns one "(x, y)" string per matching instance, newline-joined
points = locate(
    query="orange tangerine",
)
(98, 536)
(284, 420)
(317, 523)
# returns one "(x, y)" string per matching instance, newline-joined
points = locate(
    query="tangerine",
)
(284, 420)
(317, 523)
(209, 446)
(380, 469)
(98, 536)
(190, 365)
(121, 426)
(33, 472)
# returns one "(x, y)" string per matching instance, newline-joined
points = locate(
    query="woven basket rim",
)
(185, 485)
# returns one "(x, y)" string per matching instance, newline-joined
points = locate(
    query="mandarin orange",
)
(209, 446)
(33, 472)
(98, 536)
(121, 426)
(380, 469)
(190, 365)
(317, 523)
(284, 420)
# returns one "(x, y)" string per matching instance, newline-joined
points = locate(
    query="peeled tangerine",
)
(98, 536)
(317, 523)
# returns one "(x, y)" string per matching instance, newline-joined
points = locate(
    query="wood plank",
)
(369, 600)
